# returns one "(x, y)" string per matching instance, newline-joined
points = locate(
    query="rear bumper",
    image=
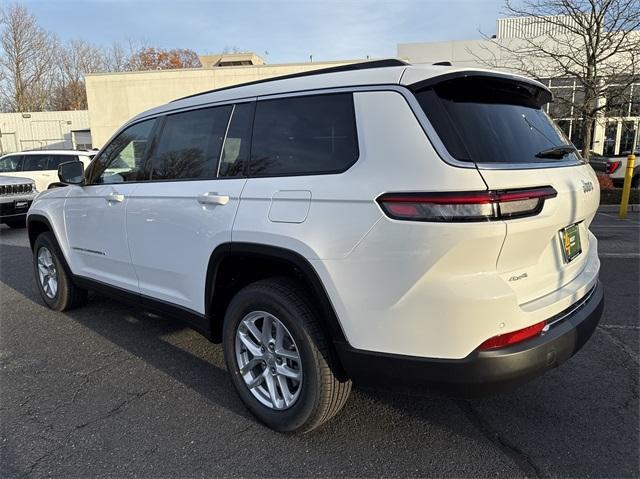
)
(481, 372)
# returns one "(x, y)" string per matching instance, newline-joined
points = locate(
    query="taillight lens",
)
(512, 338)
(613, 166)
(466, 206)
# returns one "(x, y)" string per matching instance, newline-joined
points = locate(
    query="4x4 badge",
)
(587, 186)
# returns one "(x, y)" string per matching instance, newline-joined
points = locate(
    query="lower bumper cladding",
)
(482, 372)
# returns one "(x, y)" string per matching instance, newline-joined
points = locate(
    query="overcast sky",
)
(289, 31)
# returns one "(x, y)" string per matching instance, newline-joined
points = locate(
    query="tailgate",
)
(534, 259)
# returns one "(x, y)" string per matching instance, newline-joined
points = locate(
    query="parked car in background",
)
(598, 162)
(16, 195)
(617, 166)
(41, 165)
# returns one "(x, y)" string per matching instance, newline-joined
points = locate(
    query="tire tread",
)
(334, 391)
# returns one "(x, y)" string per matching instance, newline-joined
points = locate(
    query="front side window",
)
(11, 164)
(189, 145)
(492, 120)
(304, 135)
(122, 160)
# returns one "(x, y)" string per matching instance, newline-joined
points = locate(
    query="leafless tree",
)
(116, 58)
(38, 73)
(74, 61)
(26, 60)
(594, 42)
(233, 49)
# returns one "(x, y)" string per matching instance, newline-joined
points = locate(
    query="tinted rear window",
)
(489, 120)
(304, 135)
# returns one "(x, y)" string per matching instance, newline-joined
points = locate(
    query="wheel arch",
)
(36, 225)
(234, 265)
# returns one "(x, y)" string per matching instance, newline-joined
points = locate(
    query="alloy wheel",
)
(268, 360)
(47, 272)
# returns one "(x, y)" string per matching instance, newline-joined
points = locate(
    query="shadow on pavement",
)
(138, 332)
(580, 419)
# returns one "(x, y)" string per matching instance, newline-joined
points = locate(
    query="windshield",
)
(492, 120)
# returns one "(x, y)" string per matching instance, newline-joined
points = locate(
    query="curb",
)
(615, 208)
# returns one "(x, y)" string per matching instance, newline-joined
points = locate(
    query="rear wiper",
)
(557, 152)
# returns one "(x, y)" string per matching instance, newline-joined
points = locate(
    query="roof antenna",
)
(442, 64)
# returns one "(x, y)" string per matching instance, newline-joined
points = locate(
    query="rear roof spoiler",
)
(545, 94)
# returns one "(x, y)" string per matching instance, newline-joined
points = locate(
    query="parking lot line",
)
(635, 227)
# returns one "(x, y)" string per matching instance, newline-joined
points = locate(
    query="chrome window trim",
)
(404, 91)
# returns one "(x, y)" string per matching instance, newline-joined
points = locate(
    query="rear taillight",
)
(513, 337)
(613, 166)
(466, 206)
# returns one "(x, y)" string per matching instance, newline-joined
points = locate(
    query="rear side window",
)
(489, 120)
(55, 160)
(189, 145)
(35, 162)
(304, 135)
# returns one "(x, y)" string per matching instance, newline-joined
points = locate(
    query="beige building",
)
(44, 130)
(114, 98)
(616, 130)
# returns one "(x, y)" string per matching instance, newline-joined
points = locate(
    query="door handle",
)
(115, 198)
(211, 198)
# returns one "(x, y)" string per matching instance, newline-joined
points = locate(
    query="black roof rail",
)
(389, 62)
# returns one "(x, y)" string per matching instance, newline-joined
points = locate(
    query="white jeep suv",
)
(16, 196)
(40, 165)
(419, 226)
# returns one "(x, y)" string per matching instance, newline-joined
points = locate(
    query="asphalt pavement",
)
(112, 391)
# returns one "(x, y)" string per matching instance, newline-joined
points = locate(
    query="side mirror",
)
(71, 173)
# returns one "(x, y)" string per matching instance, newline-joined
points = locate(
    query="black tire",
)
(67, 295)
(16, 223)
(324, 389)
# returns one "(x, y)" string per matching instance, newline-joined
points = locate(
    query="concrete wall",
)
(114, 98)
(40, 130)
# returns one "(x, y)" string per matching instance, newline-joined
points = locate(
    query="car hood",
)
(14, 180)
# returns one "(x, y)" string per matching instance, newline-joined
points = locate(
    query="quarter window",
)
(235, 152)
(190, 144)
(304, 135)
(122, 160)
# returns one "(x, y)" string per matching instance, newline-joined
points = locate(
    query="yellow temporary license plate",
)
(570, 242)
